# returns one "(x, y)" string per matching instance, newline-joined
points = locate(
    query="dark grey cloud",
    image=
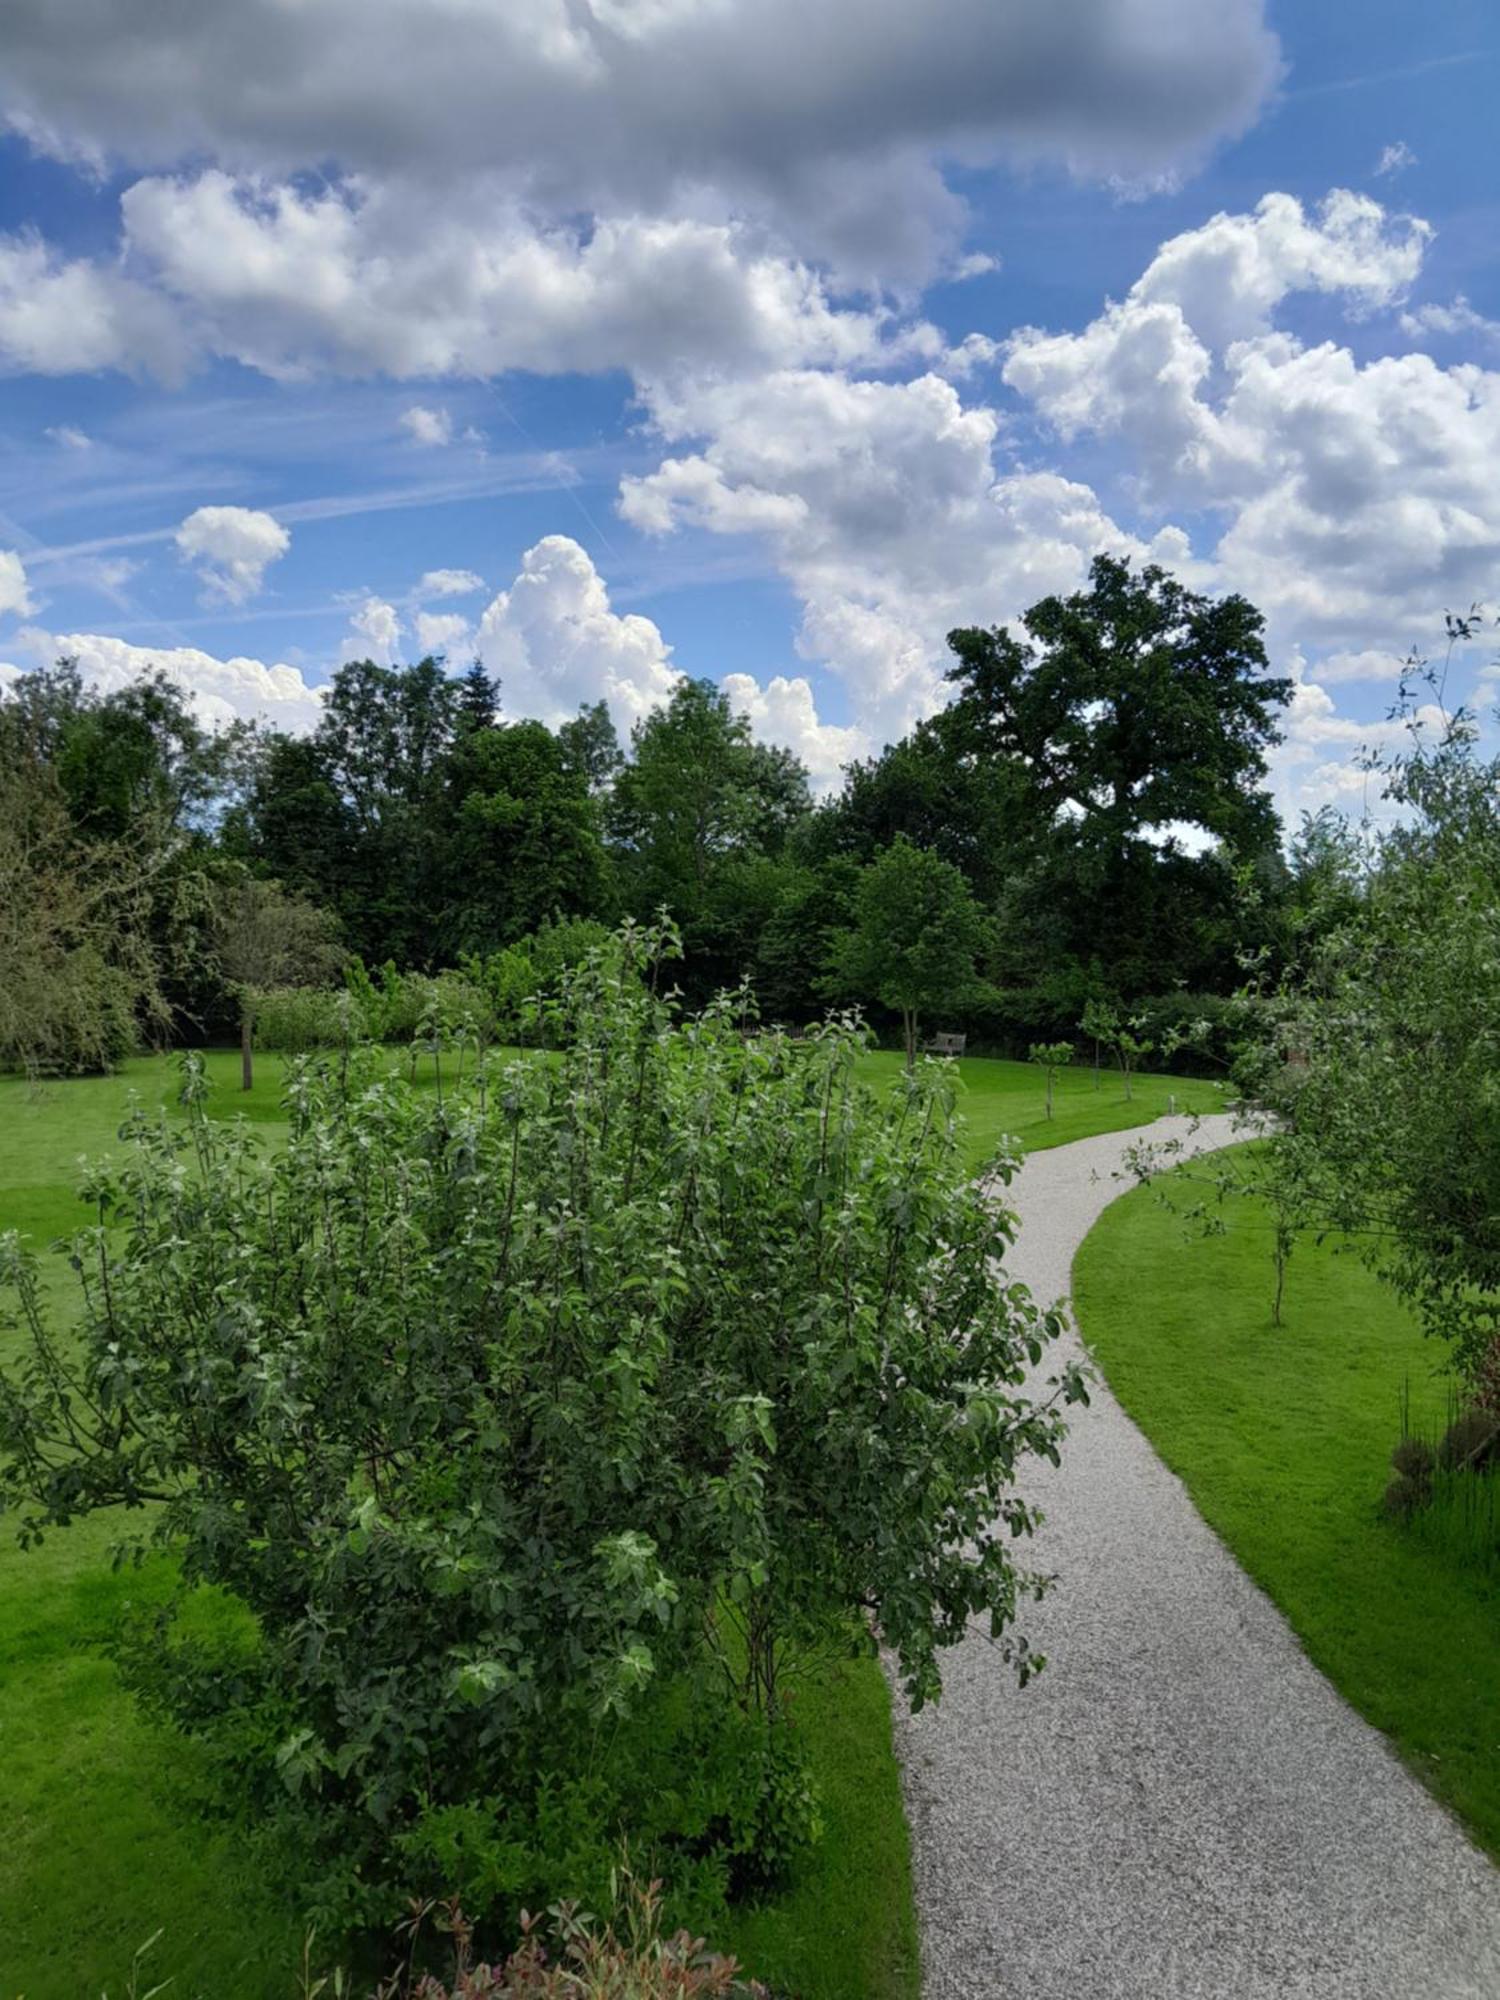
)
(613, 106)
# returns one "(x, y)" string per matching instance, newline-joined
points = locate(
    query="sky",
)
(608, 340)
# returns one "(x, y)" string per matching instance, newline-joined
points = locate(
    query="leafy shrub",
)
(713, 1799)
(402, 1006)
(1405, 1494)
(514, 979)
(508, 1410)
(1414, 1458)
(628, 1959)
(1471, 1440)
(292, 1020)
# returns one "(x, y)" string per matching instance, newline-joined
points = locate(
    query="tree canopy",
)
(1097, 782)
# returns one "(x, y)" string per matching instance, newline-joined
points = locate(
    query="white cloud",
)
(220, 690)
(15, 598)
(445, 632)
(1355, 498)
(1395, 159)
(1375, 501)
(232, 548)
(374, 633)
(824, 123)
(554, 642)
(784, 712)
(1229, 275)
(68, 316)
(884, 509)
(1140, 368)
(69, 437)
(1372, 663)
(361, 279)
(429, 427)
(447, 583)
(1459, 318)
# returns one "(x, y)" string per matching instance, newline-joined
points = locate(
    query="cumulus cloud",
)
(447, 583)
(374, 633)
(1144, 369)
(442, 632)
(824, 121)
(362, 279)
(1324, 754)
(1139, 369)
(1354, 496)
(1229, 275)
(785, 712)
(15, 598)
(424, 426)
(885, 510)
(219, 690)
(67, 316)
(554, 642)
(232, 548)
(69, 437)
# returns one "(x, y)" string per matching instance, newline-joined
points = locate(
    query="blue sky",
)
(665, 335)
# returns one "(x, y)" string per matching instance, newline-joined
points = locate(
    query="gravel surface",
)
(1181, 1804)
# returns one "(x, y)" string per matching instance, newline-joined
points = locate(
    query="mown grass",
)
(100, 1852)
(1283, 1437)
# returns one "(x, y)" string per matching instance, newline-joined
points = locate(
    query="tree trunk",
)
(247, 1056)
(909, 1028)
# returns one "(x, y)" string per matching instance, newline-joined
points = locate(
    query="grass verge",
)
(1283, 1437)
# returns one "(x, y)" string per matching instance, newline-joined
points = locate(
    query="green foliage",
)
(506, 1407)
(1447, 1487)
(1131, 708)
(514, 980)
(916, 936)
(1135, 704)
(292, 1020)
(699, 803)
(517, 839)
(1381, 1049)
(80, 972)
(573, 1957)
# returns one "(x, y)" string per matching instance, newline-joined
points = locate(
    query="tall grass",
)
(1450, 1486)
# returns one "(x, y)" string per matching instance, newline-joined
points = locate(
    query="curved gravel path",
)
(1181, 1805)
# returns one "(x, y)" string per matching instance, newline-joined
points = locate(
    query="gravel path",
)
(1181, 1805)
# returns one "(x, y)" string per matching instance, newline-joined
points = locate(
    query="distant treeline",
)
(1097, 779)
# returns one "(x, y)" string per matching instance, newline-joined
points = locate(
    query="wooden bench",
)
(945, 1045)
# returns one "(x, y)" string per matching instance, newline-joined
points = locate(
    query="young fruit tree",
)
(915, 940)
(264, 938)
(587, 1387)
(1104, 1023)
(1050, 1057)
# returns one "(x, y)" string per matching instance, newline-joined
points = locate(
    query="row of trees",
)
(1030, 834)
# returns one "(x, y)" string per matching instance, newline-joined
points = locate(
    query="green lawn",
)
(1283, 1436)
(98, 1855)
(1000, 1098)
